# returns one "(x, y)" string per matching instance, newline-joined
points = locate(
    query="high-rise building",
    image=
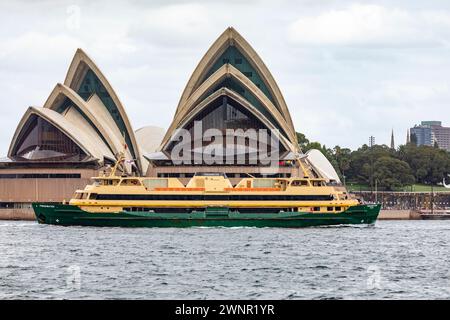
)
(431, 133)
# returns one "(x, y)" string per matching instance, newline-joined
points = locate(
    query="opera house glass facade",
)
(83, 126)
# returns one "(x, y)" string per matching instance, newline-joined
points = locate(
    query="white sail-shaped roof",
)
(86, 79)
(322, 166)
(72, 127)
(87, 110)
(231, 59)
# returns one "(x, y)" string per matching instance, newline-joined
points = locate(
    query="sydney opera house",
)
(83, 126)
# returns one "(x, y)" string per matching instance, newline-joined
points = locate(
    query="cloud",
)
(179, 24)
(338, 89)
(36, 47)
(370, 25)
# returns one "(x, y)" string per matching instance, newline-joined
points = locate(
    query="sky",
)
(347, 69)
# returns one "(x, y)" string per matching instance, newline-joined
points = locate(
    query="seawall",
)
(17, 214)
(399, 215)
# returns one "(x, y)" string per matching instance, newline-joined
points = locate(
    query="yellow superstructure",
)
(115, 194)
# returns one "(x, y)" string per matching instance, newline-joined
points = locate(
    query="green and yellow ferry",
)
(208, 200)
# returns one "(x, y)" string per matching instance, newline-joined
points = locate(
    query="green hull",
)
(67, 215)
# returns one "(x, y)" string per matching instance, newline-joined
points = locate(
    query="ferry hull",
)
(67, 215)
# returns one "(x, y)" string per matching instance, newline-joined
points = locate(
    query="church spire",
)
(392, 140)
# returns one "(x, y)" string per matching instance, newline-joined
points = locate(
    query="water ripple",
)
(394, 259)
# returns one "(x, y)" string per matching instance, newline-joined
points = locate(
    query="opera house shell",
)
(230, 88)
(83, 126)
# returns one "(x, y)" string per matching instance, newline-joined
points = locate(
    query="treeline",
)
(390, 169)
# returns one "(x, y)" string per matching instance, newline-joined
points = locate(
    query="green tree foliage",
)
(362, 163)
(429, 165)
(391, 169)
(392, 173)
(342, 156)
(302, 141)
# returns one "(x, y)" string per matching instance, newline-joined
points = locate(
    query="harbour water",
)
(391, 260)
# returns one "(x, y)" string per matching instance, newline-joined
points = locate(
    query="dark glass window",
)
(222, 114)
(233, 85)
(40, 140)
(213, 197)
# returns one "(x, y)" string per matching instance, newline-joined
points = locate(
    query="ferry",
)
(208, 200)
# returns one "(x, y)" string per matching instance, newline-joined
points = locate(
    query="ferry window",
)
(316, 209)
(84, 195)
(298, 183)
(93, 196)
(112, 182)
(338, 208)
(77, 195)
(329, 208)
(130, 182)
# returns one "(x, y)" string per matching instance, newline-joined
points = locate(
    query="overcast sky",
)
(347, 69)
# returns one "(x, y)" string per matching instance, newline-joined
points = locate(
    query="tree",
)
(342, 157)
(422, 164)
(429, 165)
(302, 141)
(392, 173)
(361, 161)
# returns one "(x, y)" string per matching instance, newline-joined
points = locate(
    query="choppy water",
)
(394, 259)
